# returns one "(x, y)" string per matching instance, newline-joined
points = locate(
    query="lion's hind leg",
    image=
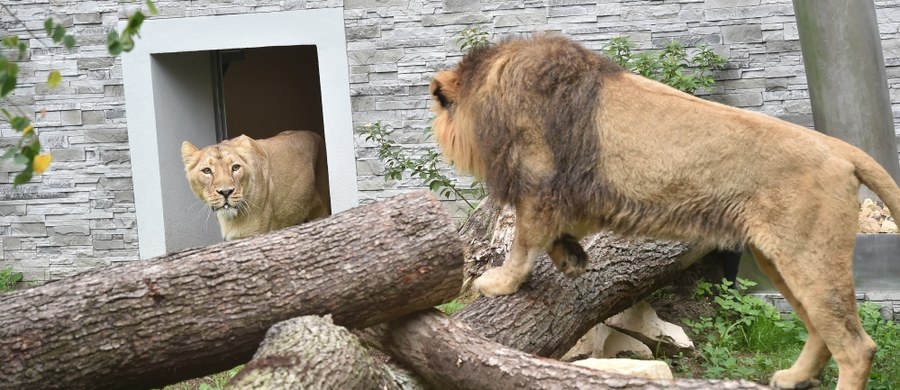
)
(818, 282)
(815, 353)
(568, 256)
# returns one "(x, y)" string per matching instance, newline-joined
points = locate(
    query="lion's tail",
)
(870, 173)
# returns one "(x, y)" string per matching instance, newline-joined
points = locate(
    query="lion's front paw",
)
(568, 256)
(787, 379)
(496, 281)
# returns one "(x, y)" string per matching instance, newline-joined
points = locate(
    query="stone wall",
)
(80, 214)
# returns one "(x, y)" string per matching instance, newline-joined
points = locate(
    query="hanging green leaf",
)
(59, 32)
(126, 42)
(134, 22)
(113, 45)
(8, 73)
(54, 78)
(19, 123)
(69, 41)
(48, 26)
(151, 7)
(24, 176)
(20, 158)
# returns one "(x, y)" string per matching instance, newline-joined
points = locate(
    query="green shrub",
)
(672, 65)
(8, 279)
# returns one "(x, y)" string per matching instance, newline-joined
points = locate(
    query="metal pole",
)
(846, 75)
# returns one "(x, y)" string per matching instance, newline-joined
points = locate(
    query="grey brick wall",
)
(80, 214)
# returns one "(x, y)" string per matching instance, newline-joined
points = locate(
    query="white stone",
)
(605, 342)
(641, 322)
(648, 369)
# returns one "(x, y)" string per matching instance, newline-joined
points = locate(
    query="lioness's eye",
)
(235, 167)
(206, 171)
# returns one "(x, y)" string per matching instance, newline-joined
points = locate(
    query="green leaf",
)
(151, 7)
(113, 45)
(9, 153)
(8, 79)
(48, 26)
(126, 42)
(19, 123)
(23, 177)
(134, 22)
(21, 159)
(54, 78)
(59, 32)
(11, 42)
(69, 41)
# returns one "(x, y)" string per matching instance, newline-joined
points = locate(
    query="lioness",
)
(577, 145)
(256, 186)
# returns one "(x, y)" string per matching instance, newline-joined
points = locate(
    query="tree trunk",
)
(450, 355)
(310, 352)
(551, 312)
(205, 310)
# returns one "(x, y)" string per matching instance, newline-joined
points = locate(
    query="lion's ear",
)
(187, 152)
(444, 88)
(243, 139)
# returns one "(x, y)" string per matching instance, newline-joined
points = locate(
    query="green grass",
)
(747, 338)
(8, 279)
(451, 307)
(211, 382)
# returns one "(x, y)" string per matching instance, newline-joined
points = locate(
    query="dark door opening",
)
(263, 91)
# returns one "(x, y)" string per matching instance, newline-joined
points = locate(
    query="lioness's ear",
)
(243, 139)
(187, 152)
(444, 88)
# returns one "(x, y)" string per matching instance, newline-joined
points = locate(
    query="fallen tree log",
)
(550, 312)
(450, 355)
(201, 311)
(310, 352)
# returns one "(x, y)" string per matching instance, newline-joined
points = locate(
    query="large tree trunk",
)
(551, 312)
(204, 310)
(450, 355)
(310, 352)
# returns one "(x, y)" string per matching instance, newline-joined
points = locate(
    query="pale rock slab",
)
(641, 322)
(648, 369)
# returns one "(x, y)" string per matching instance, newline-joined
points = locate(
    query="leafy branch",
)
(424, 167)
(28, 148)
(671, 65)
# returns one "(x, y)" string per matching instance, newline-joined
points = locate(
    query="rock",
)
(641, 322)
(868, 225)
(868, 206)
(649, 369)
(875, 219)
(605, 342)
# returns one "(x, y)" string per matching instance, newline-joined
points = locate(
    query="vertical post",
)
(845, 71)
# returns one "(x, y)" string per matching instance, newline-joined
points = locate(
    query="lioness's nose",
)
(225, 191)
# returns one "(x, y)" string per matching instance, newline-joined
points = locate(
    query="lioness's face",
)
(217, 175)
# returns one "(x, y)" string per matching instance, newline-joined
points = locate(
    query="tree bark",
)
(450, 355)
(550, 312)
(310, 352)
(205, 310)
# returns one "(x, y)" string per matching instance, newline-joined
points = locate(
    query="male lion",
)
(577, 145)
(256, 186)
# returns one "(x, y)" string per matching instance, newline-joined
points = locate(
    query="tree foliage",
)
(672, 65)
(27, 151)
